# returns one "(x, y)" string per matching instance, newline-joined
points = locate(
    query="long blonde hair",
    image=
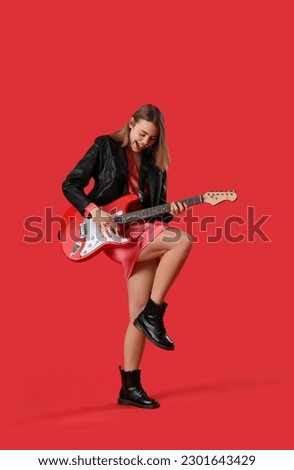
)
(159, 149)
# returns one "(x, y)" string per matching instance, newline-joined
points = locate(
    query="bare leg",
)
(139, 288)
(172, 247)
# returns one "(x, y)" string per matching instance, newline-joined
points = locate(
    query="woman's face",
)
(143, 134)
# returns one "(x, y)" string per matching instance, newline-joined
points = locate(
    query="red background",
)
(221, 72)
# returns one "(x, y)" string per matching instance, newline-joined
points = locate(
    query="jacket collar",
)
(120, 153)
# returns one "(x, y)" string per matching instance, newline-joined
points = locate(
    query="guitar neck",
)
(153, 211)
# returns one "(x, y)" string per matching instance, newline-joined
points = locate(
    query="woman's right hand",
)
(104, 221)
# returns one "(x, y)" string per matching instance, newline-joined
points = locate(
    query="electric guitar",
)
(81, 237)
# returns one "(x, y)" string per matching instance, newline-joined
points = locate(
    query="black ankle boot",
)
(150, 322)
(132, 393)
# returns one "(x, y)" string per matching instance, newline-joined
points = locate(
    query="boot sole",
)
(122, 401)
(141, 328)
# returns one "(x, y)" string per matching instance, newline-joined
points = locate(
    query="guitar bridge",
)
(76, 248)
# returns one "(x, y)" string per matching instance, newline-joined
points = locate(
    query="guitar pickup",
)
(83, 230)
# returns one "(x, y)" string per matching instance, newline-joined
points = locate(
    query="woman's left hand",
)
(178, 207)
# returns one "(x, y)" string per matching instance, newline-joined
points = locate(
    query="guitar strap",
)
(144, 170)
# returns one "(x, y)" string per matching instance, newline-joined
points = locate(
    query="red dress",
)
(141, 234)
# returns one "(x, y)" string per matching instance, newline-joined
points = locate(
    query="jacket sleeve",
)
(79, 178)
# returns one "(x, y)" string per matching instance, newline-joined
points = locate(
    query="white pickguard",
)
(94, 239)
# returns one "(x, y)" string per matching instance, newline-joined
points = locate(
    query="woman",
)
(134, 160)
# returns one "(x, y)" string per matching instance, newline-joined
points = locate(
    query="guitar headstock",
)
(215, 197)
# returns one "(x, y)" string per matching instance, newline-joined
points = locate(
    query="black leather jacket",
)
(106, 162)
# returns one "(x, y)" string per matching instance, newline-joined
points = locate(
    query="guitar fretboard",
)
(153, 211)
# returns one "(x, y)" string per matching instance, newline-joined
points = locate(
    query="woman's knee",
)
(182, 240)
(186, 241)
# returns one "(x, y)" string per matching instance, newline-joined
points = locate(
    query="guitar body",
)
(81, 238)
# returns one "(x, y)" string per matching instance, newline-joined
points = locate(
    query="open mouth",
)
(139, 145)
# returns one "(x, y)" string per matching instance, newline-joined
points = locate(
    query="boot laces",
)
(161, 325)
